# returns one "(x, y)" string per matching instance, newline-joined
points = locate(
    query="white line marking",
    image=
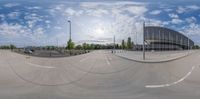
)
(40, 66)
(110, 59)
(107, 60)
(82, 60)
(170, 84)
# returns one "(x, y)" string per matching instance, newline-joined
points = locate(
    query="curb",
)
(147, 61)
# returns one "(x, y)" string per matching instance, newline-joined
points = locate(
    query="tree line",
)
(129, 44)
(11, 46)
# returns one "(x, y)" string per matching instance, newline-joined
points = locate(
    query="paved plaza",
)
(99, 75)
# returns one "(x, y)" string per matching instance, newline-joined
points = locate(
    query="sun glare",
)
(99, 32)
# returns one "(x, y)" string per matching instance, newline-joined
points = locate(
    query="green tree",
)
(12, 46)
(123, 44)
(129, 43)
(78, 47)
(133, 45)
(84, 46)
(70, 45)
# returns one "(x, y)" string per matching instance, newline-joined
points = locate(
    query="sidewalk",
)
(153, 57)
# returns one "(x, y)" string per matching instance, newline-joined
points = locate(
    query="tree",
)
(78, 47)
(133, 45)
(84, 46)
(129, 43)
(195, 47)
(70, 45)
(12, 46)
(8, 47)
(123, 44)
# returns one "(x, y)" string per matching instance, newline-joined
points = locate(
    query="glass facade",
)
(160, 38)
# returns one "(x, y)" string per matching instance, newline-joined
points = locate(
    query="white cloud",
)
(188, 8)
(154, 22)
(136, 10)
(193, 7)
(172, 15)
(181, 9)
(17, 31)
(13, 30)
(165, 23)
(108, 4)
(70, 11)
(38, 33)
(34, 8)
(9, 5)
(96, 12)
(191, 20)
(47, 21)
(155, 12)
(58, 28)
(176, 21)
(32, 19)
(14, 15)
(168, 10)
(192, 30)
(2, 17)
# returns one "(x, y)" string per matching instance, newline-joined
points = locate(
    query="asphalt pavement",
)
(97, 75)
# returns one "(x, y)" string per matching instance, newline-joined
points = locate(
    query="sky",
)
(45, 22)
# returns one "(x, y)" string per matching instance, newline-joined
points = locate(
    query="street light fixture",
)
(69, 21)
(144, 41)
(114, 44)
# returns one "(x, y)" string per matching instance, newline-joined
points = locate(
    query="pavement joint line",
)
(173, 83)
(40, 66)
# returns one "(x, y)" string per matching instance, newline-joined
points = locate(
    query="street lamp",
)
(69, 29)
(69, 36)
(114, 44)
(144, 41)
(188, 42)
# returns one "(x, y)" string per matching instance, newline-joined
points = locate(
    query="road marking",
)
(40, 66)
(170, 84)
(110, 59)
(82, 60)
(107, 60)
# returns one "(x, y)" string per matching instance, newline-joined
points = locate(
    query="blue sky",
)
(26, 22)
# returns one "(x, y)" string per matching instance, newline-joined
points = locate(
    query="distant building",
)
(160, 38)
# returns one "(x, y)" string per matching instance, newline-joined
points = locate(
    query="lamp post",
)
(69, 29)
(69, 21)
(144, 41)
(188, 42)
(114, 44)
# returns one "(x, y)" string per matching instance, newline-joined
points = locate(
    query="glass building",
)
(160, 38)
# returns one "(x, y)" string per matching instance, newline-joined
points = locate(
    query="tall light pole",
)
(144, 41)
(188, 42)
(70, 32)
(70, 38)
(114, 44)
(136, 40)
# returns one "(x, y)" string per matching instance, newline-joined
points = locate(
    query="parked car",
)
(28, 51)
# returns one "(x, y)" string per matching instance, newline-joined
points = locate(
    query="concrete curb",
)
(160, 61)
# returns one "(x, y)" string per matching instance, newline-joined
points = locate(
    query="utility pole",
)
(114, 44)
(144, 41)
(188, 43)
(70, 34)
